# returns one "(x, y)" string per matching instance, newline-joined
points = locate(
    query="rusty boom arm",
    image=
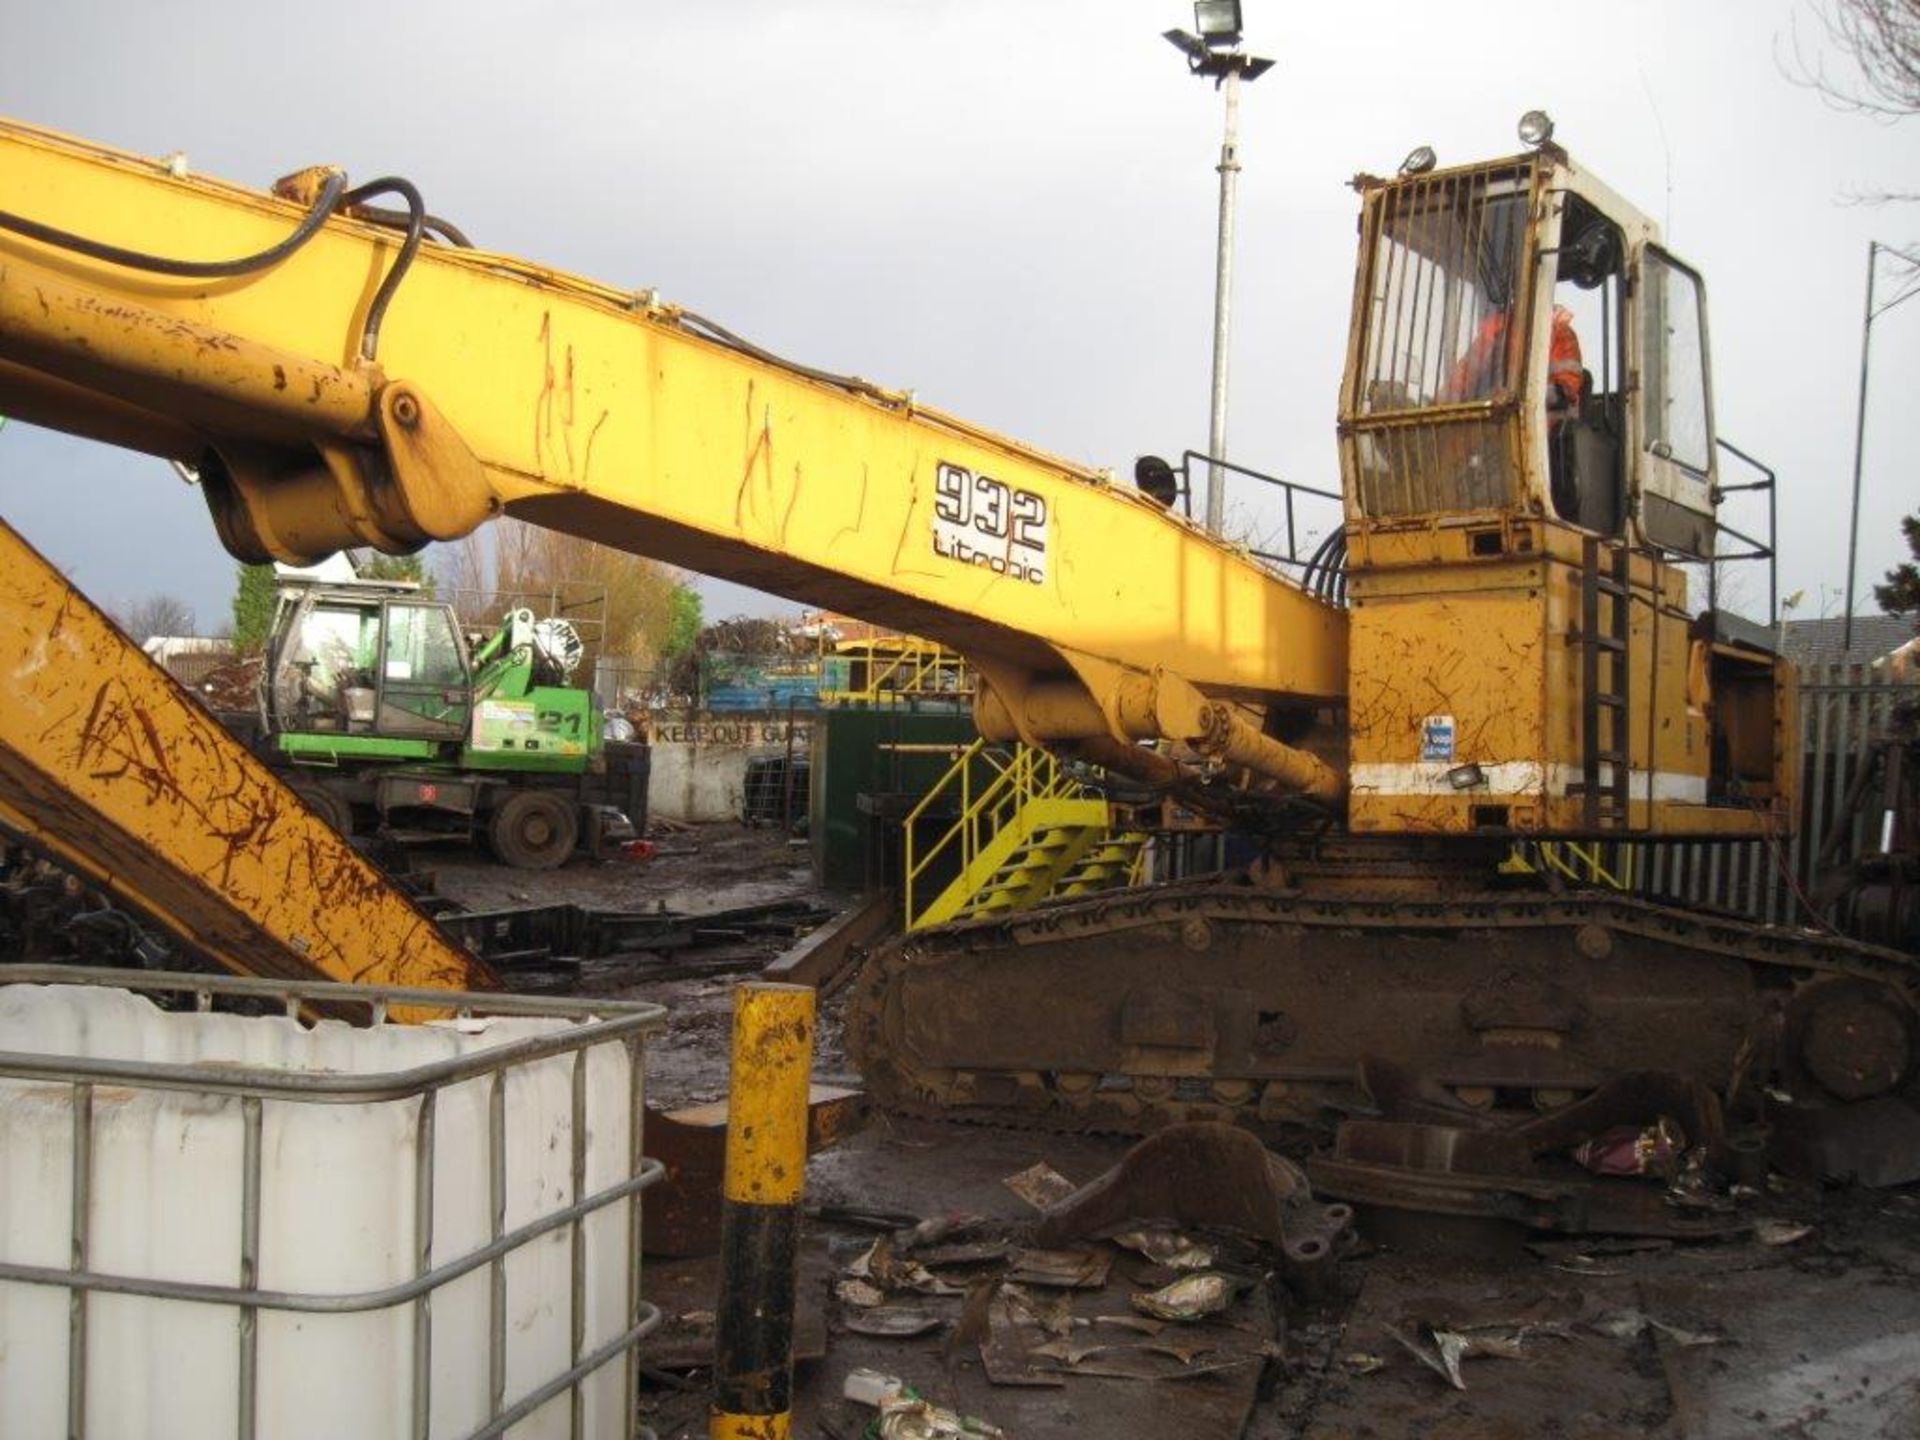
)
(361, 387)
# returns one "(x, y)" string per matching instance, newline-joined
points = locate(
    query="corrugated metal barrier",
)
(1843, 708)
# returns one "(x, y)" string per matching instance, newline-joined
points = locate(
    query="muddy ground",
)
(712, 867)
(1817, 1338)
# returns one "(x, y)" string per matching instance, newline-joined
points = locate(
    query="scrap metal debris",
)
(1070, 1352)
(963, 1253)
(1157, 1362)
(881, 1267)
(1004, 1352)
(1631, 1324)
(1040, 1185)
(1140, 1323)
(1169, 1248)
(1780, 1232)
(1052, 1311)
(1213, 1175)
(1570, 1170)
(1698, 1185)
(905, 1415)
(554, 948)
(1632, 1150)
(1452, 1346)
(1061, 1269)
(1206, 1293)
(891, 1321)
(860, 1294)
(937, 1230)
(1196, 1174)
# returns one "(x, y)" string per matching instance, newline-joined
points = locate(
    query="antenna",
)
(1666, 220)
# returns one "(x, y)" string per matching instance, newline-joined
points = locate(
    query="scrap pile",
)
(1151, 1300)
(1651, 1153)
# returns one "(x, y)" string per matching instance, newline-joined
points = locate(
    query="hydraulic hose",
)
(416, 222)
(316, 216)
(333, 196)
(1325, 574)
(700, 325)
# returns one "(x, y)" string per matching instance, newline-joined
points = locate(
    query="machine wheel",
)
(328, 806)
(533, 830)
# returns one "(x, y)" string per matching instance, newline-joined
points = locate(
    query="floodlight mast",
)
(1215, 53)
(1874, 247)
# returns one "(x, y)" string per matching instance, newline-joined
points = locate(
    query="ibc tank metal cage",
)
(594, 1022)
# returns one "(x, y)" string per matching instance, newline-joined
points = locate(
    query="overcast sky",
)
(1010, 207)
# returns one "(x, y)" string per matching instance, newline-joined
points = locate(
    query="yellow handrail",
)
(1020, 776)
(898, 669)
(1589, 863)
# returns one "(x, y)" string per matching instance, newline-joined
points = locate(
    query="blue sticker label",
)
(1436, 738)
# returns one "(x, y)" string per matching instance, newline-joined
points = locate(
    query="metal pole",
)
(1229, 169)
(1859, 441)
(766, 1166)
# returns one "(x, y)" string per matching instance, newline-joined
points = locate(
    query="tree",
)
(1881, 42)
(1901, 594)
(626, 608)
(1879, 72)
(156, 615)
(373, 565)
(683, 625)
(253, 599)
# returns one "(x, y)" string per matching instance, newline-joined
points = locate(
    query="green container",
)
(868, 772)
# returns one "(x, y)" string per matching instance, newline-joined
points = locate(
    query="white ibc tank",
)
(336, 1216)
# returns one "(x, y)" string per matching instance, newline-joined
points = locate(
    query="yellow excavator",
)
(1497, 644)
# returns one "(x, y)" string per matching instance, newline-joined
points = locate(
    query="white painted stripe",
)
(1514, 777)
(1668, 785)
(1429, 777)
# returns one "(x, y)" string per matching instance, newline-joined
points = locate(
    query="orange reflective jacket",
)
(1482, 370)
(1564, 368)
(1479, 372)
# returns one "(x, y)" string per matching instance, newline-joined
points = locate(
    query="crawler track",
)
(1221, 1001)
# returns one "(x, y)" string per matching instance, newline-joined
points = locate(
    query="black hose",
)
(323, 206)
(1325, 574)
(700, 325)
(333, 196)
(416, 222)
(400, 219)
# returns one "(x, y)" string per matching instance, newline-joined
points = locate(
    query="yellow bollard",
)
(760, 1212)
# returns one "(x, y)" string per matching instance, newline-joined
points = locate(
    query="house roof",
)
(1820, 642)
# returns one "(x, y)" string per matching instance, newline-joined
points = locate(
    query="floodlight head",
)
(1419, 160)
(1536, 129)
(1157, 480)
(1218, 22)
(1191, 46)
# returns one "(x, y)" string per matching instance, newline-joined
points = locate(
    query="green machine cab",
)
(376, 703)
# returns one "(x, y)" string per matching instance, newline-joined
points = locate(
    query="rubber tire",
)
(533, 830)
(326, 805)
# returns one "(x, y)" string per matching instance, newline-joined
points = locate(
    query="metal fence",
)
(1844, 708)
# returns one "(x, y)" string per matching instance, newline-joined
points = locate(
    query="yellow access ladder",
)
(1595, 864)
(1023, 831)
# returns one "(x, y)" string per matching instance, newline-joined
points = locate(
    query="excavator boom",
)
(365, 390)
(114, 770)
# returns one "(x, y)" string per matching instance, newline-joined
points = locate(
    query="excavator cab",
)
(1529, 466)
(368, 664)
(1469, 280)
